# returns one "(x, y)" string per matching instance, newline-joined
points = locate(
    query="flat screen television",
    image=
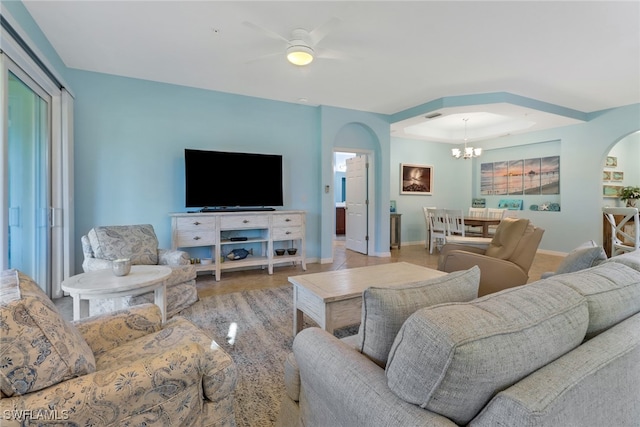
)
(239, 181)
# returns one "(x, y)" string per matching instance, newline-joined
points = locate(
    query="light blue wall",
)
(338, 194)
(130, 137)
(451, 180)
(342, 129)
(582, 150)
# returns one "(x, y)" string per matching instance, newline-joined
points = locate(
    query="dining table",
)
(482, 221)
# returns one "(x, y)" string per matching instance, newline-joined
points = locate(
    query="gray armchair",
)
(101, 245)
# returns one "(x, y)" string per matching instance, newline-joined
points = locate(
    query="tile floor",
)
(235, 281)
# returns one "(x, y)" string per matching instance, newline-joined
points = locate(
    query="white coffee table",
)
(333, 299)
(104, 284)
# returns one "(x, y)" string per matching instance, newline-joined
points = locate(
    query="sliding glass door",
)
(27, 178)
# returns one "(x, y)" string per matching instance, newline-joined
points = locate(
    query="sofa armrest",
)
(165, 385)
(495, 274)
(220, 374)
(86, 247)
(93, 264)
(173, 257)
(340, 386)
(109, 330)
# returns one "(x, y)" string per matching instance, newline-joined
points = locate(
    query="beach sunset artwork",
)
(550, 175)
(528, 176)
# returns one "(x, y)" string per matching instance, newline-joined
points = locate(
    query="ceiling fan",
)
(302, 45)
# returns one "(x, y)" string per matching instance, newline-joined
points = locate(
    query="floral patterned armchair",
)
(117, 369)
(101, 245)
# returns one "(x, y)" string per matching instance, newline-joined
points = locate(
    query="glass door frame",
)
(61, 173)
(38, 230)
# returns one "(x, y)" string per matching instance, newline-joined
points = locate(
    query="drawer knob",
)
(196, 238)
(287, 220)
(245, 221)
(288, 232)
(196, 223)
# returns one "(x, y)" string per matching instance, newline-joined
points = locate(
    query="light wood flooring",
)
(235, 281)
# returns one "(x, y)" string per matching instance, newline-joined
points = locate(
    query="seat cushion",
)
(384, 310)
(39, 348)
(136, 242)
(612, 291)
(453, 358)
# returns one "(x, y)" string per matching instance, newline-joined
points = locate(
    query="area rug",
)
(256, 329)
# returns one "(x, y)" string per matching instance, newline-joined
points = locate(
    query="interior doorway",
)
(340, 193)
(364, 218)
(357, 202)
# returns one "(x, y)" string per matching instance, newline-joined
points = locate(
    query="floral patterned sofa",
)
(101, 245)
(116, 369)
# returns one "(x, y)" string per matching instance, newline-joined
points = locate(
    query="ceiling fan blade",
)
(332, 54)
(323, 30)
(265, 31)
(263, 57)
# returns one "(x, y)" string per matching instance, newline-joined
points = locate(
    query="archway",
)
(620, 168)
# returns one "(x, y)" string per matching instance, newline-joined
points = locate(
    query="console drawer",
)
(196, 223)
(241, 222)
(195, 238)
(287, 220)
(287, 233)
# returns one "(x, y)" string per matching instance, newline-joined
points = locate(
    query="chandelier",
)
(468, 152)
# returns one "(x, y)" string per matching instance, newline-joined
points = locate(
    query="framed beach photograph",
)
(617, 176)
(611, 162)
(416, 179)
(612, 191)
(606, 175)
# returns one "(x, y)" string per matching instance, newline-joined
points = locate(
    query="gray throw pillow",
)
(384, 310)
(136, 242)
(453, 358)
(584, 256)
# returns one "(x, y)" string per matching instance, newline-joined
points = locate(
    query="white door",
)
(356, 202)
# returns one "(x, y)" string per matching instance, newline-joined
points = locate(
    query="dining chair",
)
(437, 227)
(496, 213)
(455, 222)
(425, 210)
(625, 229)
(475, 230)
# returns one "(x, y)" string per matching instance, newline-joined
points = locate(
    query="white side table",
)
(104, 284)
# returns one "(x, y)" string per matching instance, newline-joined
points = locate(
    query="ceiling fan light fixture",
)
(300, 55)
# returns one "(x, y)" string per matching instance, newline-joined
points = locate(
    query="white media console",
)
(264, 230)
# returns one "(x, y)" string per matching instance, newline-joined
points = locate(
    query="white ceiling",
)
(392, 55)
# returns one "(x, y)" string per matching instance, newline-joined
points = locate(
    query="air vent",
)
(432, 115)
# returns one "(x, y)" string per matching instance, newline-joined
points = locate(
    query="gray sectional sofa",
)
(562, 351)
